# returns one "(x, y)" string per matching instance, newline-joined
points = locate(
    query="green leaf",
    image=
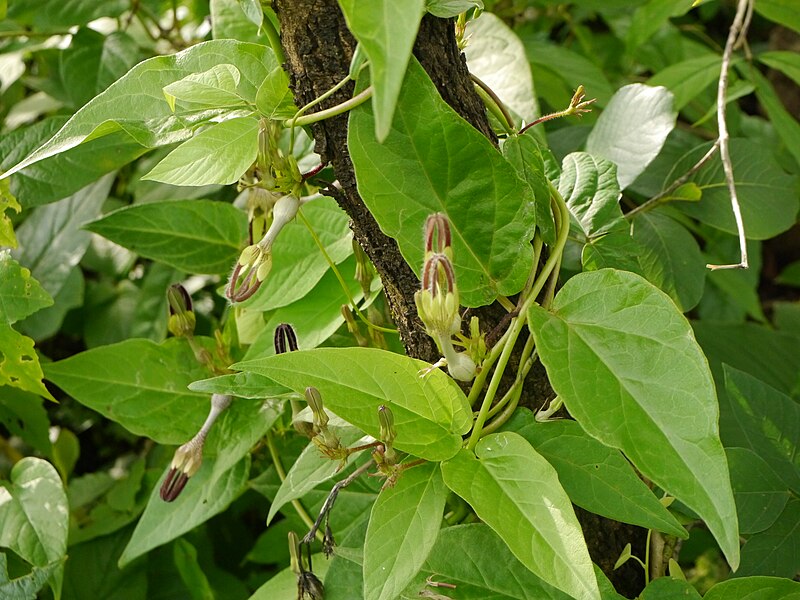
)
(496, 55)
(58, 14)
(7, 200)
(632, 129)
(315, 317)
(650, 392)
(209, 492)
(596, 477)
(135, 104)
(309, 470)
(19, 363)
(480, 565)
(767, 195)
(20, 294)
(217, 155)
(763, 420)
(440, 163)
(574, 68)
(786, 62)
(64, 174)
(26, 586)
(785, 125)
(589, 187)
(517, 493)
(386, 30)
(93, 62)
(283, 586)
(668, 588)
(755, 588)
(35, 516)
(51, 240)
(23, 415)
(689, 78)
(670, 258)
(444, 9)
(523, 152)
(410, 511)
(274, 98)
(242, 385)
(92, 572)
(650, 17)
(783, 12)
(297, 263)
(214, 88)
(190, 571)
(196, 236)
(431, 413)
(140, 385)
(760, 494)
(774, 551)
(228, 20)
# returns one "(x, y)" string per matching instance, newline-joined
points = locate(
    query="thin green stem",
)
(518, 322)
(274, 39)
(486, 366)
(494, 104)
(647, 558)
(276, 460)
(338, 274)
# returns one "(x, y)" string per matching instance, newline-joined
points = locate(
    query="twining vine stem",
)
(737, 30)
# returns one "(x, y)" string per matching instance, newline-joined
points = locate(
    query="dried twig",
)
(737, 32)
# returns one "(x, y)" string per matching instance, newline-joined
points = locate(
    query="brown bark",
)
(318, 50)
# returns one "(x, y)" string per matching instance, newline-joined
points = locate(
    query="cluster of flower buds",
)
(438, 301)
(323, 438)
(255, 262)
(188, 458)
(275, 170)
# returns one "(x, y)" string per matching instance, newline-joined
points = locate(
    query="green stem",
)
(276, 460)
(298, 121)
(647, 559)
(274, 39)
(338, 275)
(495, 106)
(518, 322)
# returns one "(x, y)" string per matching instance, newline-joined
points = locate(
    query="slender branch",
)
(663, 196)
(328, 504)
(734, 34)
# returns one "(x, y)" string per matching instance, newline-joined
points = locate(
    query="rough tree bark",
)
(318, 49)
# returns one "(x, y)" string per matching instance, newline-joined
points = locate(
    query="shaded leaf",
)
(687, 79)
(56, 14)
(755, 588)
(669, 588)
(524, 154)
(622, 330)
(767, 195)
(19, 363)
(517, 493)
(430, 413)
(760, 494)
(491, 212)
(670, 258)
(196, 236)
(26, 586)
(776, 550)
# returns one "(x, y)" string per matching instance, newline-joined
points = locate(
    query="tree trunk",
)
(318, 48)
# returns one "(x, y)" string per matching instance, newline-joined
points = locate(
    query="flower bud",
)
(181, 320)
(325, 439)
(437, 302)
(437, 235)
(285, 339)
(388, 433)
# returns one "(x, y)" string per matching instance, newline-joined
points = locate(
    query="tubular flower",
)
(188, 458)
(255, 262)
(325, 439)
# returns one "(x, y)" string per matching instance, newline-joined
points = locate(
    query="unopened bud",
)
(181, 320)
(437, 235)
(437, 302)
(285, 339)
(388, 433)
(364, 271)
